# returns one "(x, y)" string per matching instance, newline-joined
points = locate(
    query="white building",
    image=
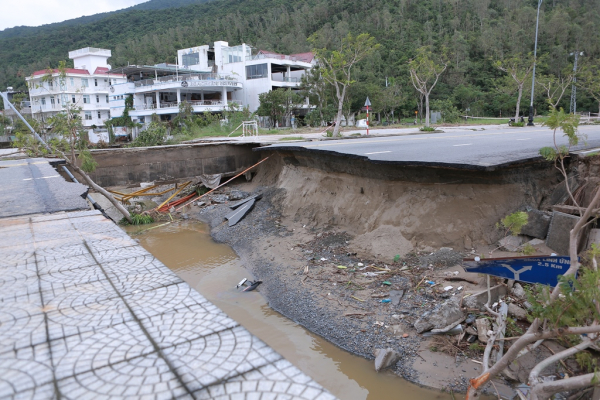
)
(209, 77)
(85, 86)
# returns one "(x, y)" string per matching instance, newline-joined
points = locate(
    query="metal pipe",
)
(5, 98)
(537, 22)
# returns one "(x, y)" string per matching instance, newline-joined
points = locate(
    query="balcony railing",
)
(290, 79)
(271, 57)
(187, 77)
(164, 105)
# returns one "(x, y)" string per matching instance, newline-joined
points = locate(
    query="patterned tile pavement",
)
(87, 313)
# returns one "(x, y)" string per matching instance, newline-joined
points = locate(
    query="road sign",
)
(544, 270)
(368, 102)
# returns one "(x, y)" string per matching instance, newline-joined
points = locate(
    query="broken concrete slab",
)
(385, 358)
(558, 234)
(517, 312)
(538, 223)
(512, 243)
(396, 296)
(478, 300)
(483, 326)
(441, 316)
(593, 238)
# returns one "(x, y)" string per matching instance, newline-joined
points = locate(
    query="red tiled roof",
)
(306, 57)
(68, 71)
(105, 70)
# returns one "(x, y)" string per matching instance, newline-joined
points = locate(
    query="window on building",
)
(72, 81)
(73, 99)
(99, 115)
(256, 71)
(51, 83)
(52, 100)
(86, 99)
(190, 59)
(43, 101)
(88, 115)
(97, 99)
(84, 82)
(107, 98)
(96, 82)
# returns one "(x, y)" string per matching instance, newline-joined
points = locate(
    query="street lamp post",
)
(367, 104)
(537, 22)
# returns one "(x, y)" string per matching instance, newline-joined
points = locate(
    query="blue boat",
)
(544, 270)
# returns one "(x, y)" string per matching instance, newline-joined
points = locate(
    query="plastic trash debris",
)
(253, 285)
(386, 300)
(323, 259)
(459, 288)
(448, 288)
(360, 265)
(342, 267)
(241, 283)
(387, 283)
(430, 282)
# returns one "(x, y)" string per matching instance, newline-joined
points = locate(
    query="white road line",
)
(43, 177)
(378, 152)
(525, 139)
(466, 144)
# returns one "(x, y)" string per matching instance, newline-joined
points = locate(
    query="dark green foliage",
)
(153, 135)
(475, 33)
(138, 219)
(427, 129)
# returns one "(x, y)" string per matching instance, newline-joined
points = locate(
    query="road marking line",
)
(525, 139)
(43, 177)
(378, 152)
(466, 144)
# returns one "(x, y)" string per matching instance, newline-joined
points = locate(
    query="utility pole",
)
(367, 104)
(537, 22)
(573, 107)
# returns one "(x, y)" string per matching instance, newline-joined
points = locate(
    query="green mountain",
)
(473, 33)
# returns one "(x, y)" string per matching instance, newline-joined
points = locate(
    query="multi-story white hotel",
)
(209, 77)
(85, 86)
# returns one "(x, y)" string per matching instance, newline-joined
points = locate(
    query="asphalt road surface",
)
(32, 186)
(468, 148)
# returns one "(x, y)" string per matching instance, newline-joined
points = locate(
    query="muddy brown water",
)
(214, 269)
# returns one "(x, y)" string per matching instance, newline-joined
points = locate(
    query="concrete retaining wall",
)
(118, 167)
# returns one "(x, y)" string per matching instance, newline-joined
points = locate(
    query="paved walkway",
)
(87, 313)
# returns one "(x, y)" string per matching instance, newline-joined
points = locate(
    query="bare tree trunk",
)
(547, 389)
(103, 192)
(427, 110)
(338, 119)
(518, 103)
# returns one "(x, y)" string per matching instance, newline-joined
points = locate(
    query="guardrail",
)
(194, 103)
(187, 77)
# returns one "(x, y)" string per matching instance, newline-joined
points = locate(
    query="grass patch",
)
(427, 129)
(137, 219)
(292, 138)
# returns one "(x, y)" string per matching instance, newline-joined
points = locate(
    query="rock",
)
(536, 242)
(219, 198)
(512, 243)
(518, 291)
(558, 234)
(235, 195)
(385, 358)
(441, 316)
(517, 312)
(396, 296)
(477, 300)
(483, 326)
(470, 319)
(468, 243)
(397, 329)
(537, 225)
(471, 331)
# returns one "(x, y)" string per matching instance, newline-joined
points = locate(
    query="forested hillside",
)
(473, 34)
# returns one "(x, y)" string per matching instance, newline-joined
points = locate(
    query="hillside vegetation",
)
(474, 34)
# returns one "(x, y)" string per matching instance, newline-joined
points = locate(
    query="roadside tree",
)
(554, 87)
(68, 141)
(425, 71)
(336, 66)
(278, 104)
(518, 68)
(571, 310)
(589, 80)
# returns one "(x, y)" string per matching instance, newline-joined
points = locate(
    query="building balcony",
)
(189, 81)
(173, 107)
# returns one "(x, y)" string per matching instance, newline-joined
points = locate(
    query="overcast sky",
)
(40, 12)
